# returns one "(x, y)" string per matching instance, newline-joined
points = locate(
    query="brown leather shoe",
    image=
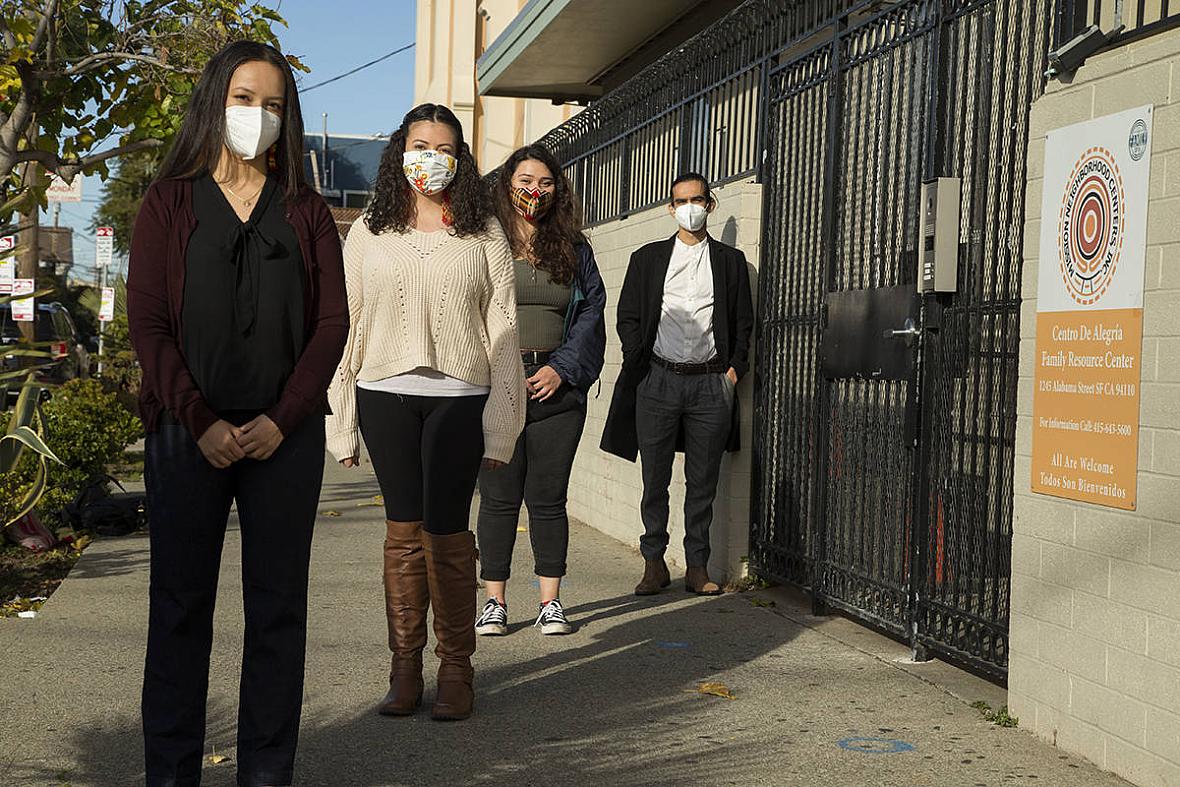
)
(406, 601)
(450, 570)
(655, 577)
(696, 580)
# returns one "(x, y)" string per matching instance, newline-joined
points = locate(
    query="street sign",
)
(7, 263)
(24, 309)
(60, 191)
(106, 311)
(104, 242)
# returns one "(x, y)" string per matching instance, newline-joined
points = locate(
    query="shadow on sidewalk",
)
(614, 706)
(113, 562)
(610, 710)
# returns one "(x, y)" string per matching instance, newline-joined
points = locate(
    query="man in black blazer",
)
(684, 318)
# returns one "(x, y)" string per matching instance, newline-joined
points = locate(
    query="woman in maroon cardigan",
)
(238, 314)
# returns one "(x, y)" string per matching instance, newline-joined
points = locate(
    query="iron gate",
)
(888, 493)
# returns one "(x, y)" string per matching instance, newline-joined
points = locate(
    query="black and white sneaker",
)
(552, 619)
(493, 620)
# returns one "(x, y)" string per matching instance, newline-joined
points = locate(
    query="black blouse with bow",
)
(242, 322)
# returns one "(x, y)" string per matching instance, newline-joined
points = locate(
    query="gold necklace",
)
(245, 202)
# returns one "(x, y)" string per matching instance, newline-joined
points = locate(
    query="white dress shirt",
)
(685, 334)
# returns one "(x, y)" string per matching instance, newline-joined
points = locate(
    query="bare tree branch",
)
(90, 62)
(47, 17)
(67, 169)
(6, 35)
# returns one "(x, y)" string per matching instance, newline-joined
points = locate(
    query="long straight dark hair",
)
(393, 204)
(198, 146)
(557, 232)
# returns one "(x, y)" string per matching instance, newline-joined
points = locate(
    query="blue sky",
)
(330, 38)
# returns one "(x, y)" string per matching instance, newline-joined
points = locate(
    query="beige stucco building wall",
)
(451, 36)
(605, 490)
(1095, 627)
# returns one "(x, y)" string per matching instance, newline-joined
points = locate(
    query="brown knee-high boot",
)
(450, 567)
(406, 600)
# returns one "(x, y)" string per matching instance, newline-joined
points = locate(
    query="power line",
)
(358, 68)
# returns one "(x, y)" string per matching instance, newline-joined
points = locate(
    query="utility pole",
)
(104, 241)
(30, 237)
(102, 286)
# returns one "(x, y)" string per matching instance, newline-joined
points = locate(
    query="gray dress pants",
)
(701, 404)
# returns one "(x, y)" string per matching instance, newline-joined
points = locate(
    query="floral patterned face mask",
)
(531, 203)
(429, 171)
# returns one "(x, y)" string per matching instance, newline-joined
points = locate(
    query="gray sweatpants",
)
(702, 404)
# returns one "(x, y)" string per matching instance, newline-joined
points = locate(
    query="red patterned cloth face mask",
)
(532, 203)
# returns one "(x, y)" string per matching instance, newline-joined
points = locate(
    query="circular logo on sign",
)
(1090, 230)
(1137, 141)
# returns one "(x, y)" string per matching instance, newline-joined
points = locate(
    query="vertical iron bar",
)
(819, 508)
(924, 377)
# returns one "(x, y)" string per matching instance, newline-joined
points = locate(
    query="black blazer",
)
(640, 305)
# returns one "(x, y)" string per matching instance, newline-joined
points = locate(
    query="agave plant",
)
(26, 426)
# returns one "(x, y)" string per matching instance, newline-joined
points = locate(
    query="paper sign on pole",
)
(24, 309)
(1090, 310)
(60, 191)
(104, 242)
(106, 311)
(7, 264)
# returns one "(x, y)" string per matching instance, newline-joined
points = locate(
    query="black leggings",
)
(426, 451)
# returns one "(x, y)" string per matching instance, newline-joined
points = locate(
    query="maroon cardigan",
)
(155, 296)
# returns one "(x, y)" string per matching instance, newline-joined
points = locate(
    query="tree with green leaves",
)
(86, 81)
(121, 194)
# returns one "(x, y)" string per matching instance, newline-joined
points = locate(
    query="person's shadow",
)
(617, 708)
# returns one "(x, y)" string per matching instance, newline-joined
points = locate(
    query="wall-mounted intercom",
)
(938, 246)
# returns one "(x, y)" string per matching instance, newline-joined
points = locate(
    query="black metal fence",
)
(889, 498)
(1138, 17)
(698, 108)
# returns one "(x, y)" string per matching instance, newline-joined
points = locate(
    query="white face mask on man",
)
(249, 131)
(691, 216)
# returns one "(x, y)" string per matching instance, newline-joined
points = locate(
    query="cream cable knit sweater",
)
(436, 300)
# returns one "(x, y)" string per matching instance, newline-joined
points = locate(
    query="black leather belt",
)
(534, 357)
(715, 366)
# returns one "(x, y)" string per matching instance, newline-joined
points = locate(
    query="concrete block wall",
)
(605, 490)
(1095, 624)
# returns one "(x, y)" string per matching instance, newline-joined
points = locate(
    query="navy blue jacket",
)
(581, 355)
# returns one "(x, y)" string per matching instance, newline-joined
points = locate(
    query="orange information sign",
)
(1089, 341)
(1086, 405)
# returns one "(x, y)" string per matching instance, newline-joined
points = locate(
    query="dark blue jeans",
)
(538, 476)
(190, 501)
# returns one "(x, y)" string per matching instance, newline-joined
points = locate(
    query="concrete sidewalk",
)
(616, 703)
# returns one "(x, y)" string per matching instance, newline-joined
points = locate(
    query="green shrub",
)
(120, 366)
(88, 429)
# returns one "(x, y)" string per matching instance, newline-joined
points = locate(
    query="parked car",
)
(53, 329)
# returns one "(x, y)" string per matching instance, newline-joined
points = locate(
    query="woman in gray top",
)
(560, 300)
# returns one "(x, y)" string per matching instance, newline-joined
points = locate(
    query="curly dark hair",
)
(393, 204)
(557, 233)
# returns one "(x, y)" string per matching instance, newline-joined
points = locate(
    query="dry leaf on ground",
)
(217, 759)
(331, 513)
(715, 689)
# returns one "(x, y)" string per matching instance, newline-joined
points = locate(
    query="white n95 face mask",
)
(429, 171)
(691, 217)
(249, 131)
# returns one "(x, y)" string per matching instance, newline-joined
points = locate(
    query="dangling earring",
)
(272, 158)
(448, 218)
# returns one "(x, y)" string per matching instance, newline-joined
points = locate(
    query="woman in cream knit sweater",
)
(432, 379)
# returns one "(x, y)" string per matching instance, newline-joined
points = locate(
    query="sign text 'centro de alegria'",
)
(1090, 310)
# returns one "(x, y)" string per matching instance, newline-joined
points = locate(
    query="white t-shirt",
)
(424, 381)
